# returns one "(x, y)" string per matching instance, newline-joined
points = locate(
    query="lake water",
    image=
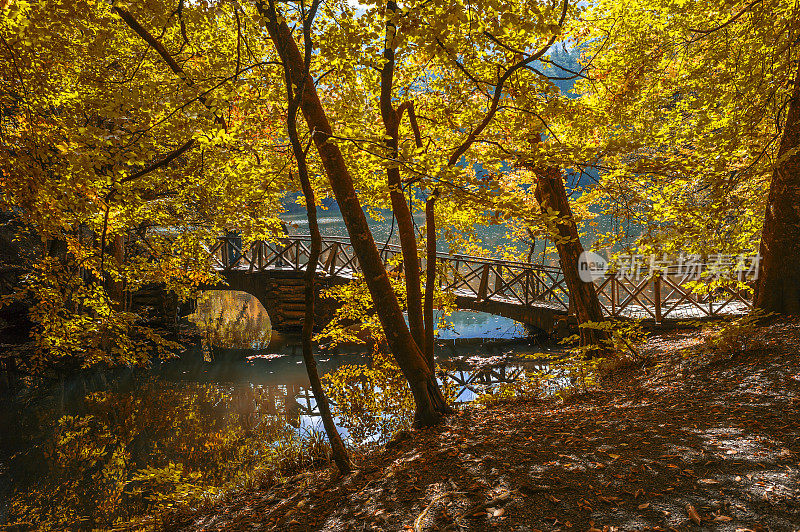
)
(103, 448)
(107, 447)
(491, 237)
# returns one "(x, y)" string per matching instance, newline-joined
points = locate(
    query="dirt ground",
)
(680, 442)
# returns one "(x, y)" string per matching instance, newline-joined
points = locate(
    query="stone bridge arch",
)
(282, 293)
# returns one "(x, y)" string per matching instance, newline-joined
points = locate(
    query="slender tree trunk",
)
(338, 449)
(778, 284)
(550, 192)
(428, 399)
(401, 210)
(115, 290)
(430, 273)
(411, 269)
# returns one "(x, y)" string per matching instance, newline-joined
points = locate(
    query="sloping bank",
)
(694, 438)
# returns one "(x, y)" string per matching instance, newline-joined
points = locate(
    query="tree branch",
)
(456, 156)
(412, 118)
(163, 162)
(729, 21)
(158, 47)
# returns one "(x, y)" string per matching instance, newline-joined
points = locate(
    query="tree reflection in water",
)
(105, 449)
(148, 444)
(232, 320)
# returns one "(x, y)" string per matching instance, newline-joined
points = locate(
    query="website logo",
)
(591, 266)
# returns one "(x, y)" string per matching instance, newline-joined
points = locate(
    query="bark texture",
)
(340, 456)
(778, 284)
(550, 192)
(338, 450)
(430, 271)
(405, 223)
(428, 399)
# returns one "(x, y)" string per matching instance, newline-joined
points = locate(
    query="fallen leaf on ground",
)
(693, 515)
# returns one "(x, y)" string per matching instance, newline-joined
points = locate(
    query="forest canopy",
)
(134, 135)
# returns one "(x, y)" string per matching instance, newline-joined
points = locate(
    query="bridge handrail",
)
(657, 293)
(342, 240)
(642, 270)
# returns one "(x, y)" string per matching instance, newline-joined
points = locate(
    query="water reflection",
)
(111, 448)
(480, 325)
(472, 382)
(104, 449)
(232, 320)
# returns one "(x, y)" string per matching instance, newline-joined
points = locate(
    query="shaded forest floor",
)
(684, 441)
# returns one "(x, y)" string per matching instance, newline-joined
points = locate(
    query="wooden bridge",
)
(533, 294)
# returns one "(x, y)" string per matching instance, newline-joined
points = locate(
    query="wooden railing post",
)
(614, 294)
(330, 265)
(226, 263)
(527, 289)
(657, 296)
(484, 286)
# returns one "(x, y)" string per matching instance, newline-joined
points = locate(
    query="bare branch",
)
(729, 21)
(456, 156)
(158, 47)
(412, 118)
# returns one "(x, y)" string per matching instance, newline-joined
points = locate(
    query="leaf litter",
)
(649, 450)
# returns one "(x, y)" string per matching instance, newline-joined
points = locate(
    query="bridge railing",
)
(669, 294)
(479, 278)
(658, 295)
(485, 279)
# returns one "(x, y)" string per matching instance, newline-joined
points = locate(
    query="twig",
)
(163, 162)
(420, 517)
(729, 21)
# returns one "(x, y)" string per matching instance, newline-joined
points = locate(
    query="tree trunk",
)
(401, 210)
(778, 284)
(428, 400)
(430, 272)
(338, 449)
(550, 192)
(115, 290)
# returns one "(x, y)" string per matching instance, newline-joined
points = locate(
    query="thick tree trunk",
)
(401, 210)
(429, 402)
(550, 192)
(778, 284)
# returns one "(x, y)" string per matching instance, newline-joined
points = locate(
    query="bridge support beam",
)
(540, 318)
